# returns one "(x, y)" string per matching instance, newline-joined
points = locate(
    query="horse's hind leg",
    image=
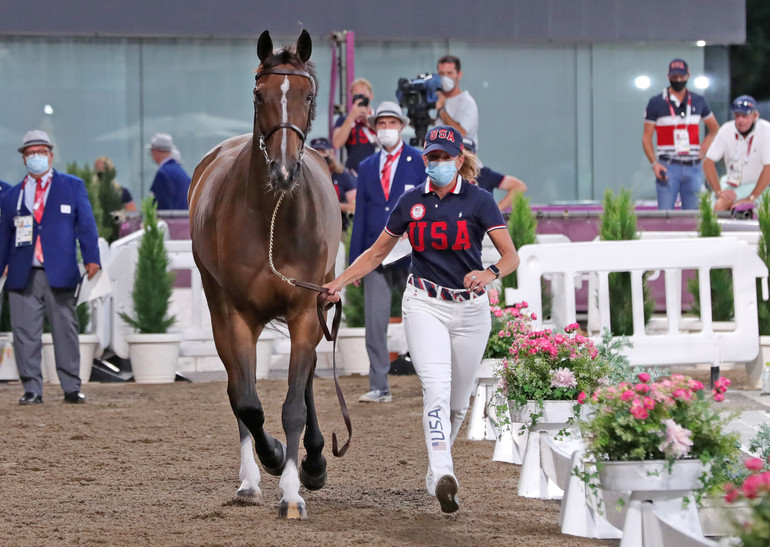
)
(312, 472)
(249, 473)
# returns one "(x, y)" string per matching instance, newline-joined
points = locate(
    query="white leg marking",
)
(284, 118)
(249, 473)
(289, 482)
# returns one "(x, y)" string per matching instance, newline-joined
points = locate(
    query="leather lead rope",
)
(330, 336)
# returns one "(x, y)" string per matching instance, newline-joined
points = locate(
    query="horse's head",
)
(284, 107)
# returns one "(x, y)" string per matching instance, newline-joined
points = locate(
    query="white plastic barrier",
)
(674, 346)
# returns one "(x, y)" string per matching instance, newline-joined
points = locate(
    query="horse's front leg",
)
(305, 333)
(312, 472)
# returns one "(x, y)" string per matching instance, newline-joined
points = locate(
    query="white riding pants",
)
(446, 342)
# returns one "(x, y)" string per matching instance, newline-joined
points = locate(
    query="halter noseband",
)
(302, 134)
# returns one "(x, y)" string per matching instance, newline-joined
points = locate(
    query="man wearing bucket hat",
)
(382, 178)
(675, 116)
(744, 145)
(445, 305)
(171, 182)
(43, 219)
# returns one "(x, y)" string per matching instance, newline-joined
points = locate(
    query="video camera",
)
(418, 96)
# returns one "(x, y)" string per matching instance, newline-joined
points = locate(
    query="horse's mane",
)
(288, 56)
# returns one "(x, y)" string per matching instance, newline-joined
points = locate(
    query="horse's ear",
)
(264, 46)
(304, 46)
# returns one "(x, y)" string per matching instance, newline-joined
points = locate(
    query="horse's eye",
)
(258, 96)
(309, 98)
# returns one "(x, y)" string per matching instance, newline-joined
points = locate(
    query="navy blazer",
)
(372, 211)
(170, 186)
(67, 220)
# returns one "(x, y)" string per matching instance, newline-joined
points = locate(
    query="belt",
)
(677, 161)
(442, 293)
(38, 268)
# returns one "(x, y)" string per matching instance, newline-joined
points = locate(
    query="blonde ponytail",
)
(471, 166)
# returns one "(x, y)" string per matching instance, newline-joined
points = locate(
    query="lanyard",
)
(38, 202)
(673, 114)
(748, 149)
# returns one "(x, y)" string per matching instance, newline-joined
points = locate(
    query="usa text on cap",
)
(443, 137)
(33, 138)
(678, 67)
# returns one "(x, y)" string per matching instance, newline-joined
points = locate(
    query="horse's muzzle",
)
(282, 176)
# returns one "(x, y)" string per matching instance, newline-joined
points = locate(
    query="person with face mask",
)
(43, 218)
(675, 117)
(744, 145)
(456, 107)
(445, 305)
(382, 178)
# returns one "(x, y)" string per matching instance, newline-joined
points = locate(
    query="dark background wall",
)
(554, 21)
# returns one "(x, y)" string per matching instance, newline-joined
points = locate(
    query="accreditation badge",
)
(681, 141)
(23, 226)
(734, 175)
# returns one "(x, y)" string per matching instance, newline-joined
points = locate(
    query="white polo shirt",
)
(747, 154)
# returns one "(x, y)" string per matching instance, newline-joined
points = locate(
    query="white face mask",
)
(447, 84)
(388, 137)
(37, 164)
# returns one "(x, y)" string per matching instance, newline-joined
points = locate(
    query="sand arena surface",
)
(158, 465)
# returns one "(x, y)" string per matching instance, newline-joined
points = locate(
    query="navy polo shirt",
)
(687, 115)
(489, 180)
(445, 234)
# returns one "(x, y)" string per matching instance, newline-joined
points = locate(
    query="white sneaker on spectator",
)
(376, 396)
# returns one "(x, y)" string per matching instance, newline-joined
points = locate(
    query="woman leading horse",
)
(263, 212)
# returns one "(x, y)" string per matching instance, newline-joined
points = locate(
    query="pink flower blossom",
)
(638, 411)
(493, 296)
(642, 388)
(722, 384)
(752, 486)
(677, 441)
(571, 327)
(563, 377)
(754, 464)
(644, 377)
(582, 397)
(681, 394)
(627, 395)
(649, 403)
(534, 316)
(731, 493)
(719, 397)
(498, 313)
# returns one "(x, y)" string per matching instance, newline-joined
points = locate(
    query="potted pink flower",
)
(753, 527)
(543, 371)
(643, 431)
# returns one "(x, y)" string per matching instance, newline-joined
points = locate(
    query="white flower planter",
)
(352, 344)
(554, 412)
(88, 344)
(651, 475)
(651, 481)
(154, 357)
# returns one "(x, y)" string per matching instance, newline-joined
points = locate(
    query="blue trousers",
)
(685, 181)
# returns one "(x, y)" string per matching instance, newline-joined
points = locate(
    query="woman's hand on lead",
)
(333, 291)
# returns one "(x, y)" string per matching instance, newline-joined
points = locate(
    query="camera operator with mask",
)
(454, 106)
(353, 131)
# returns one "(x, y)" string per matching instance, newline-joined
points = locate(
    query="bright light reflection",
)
(642, 82)
(48, 109)
(701, 82)
(700, 43)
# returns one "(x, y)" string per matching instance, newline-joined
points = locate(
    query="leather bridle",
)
(299, 131)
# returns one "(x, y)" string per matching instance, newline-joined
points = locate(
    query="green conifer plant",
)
(153, 283)
(722, 306)
(618, 223)
(763, 306)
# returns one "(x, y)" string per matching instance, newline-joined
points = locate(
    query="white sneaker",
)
(376, 396)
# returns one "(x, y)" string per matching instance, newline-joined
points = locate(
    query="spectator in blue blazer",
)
(42, 221)
(382, 179)
(171, 181)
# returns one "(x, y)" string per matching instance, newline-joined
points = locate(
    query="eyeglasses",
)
(30, 153)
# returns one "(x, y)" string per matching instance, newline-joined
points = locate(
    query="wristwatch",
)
(494, 269)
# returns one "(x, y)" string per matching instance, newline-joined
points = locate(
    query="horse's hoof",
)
(312, 480)
(292, 510)
(252, 496)
(280, 452)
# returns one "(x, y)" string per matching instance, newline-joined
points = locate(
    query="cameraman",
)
(354, 130)
(455, 107)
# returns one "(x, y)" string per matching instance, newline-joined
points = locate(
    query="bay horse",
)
(249, 250)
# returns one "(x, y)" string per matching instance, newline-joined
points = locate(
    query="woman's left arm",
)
(509, 261)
